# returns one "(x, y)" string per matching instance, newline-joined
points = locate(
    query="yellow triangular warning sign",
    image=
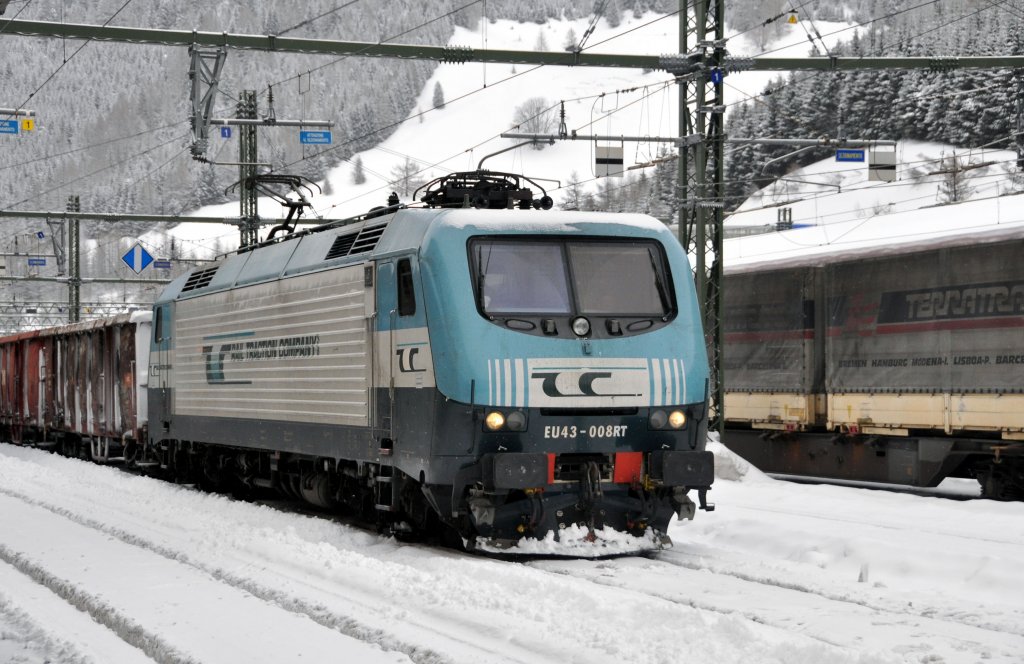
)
(792, 20)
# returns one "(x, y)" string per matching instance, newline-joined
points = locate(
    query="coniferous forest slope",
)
(965, 108)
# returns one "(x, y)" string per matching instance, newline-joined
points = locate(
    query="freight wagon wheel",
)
(1004, 481)
(131, 452)
(71, 447)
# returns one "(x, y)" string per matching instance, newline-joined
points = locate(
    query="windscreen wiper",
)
(481, 274)
(658, 283)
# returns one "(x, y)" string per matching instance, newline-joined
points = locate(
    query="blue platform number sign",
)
(315, 137)
(225, 132)
(137, 258)
(849, 155)
(717, 76)
(8, 126)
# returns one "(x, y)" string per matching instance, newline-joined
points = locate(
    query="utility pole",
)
(700, 73)
(247, 155)
(1019, 76)
(74, 263)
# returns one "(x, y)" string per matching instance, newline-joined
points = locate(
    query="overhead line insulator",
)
(943, 64)
(456, 55)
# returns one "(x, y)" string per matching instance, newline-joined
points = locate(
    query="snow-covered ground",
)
(100, 566)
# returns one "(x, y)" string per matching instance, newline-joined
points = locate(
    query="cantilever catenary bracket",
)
(204, 75)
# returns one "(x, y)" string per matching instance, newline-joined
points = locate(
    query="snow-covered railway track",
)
(864, 595)
(152, 601)
(855, 621)
(233, 566)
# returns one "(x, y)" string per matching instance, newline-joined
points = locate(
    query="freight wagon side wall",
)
(142, 330)
(93, 367)
(10, 382)
(32, 384)
(75, 379)
(21, 403)
(773, 335)
(928, 340)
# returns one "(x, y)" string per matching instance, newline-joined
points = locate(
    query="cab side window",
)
(406, 292)
(158, 325)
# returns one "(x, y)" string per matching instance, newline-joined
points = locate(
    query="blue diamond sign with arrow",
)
(137, 258)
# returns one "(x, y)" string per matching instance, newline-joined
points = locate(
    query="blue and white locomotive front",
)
(570, 370)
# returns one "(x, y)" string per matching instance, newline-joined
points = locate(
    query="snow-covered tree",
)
(570, 41)
(535, 116)
(406, 177)
(358, 176)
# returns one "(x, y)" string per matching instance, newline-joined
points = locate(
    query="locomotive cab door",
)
(384, 382)
(402, 351)
(161, 370)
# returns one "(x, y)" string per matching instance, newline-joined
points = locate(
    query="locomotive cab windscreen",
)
(625, 283)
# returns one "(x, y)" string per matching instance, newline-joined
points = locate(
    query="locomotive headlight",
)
(581, 326)
(659, 419)
(677, 419)
(494, 420)
(516, 420)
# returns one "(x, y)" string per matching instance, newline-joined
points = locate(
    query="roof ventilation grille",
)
(356, 243)
(199, 279)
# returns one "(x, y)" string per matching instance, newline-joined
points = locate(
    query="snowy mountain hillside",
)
(480, 102)
(939, 192)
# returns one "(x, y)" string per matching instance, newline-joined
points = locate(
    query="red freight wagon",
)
(80, 386)
(20, 400)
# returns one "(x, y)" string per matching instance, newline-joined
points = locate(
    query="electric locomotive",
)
(502, 373)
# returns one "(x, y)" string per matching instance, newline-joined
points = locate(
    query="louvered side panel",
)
(291, 350)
